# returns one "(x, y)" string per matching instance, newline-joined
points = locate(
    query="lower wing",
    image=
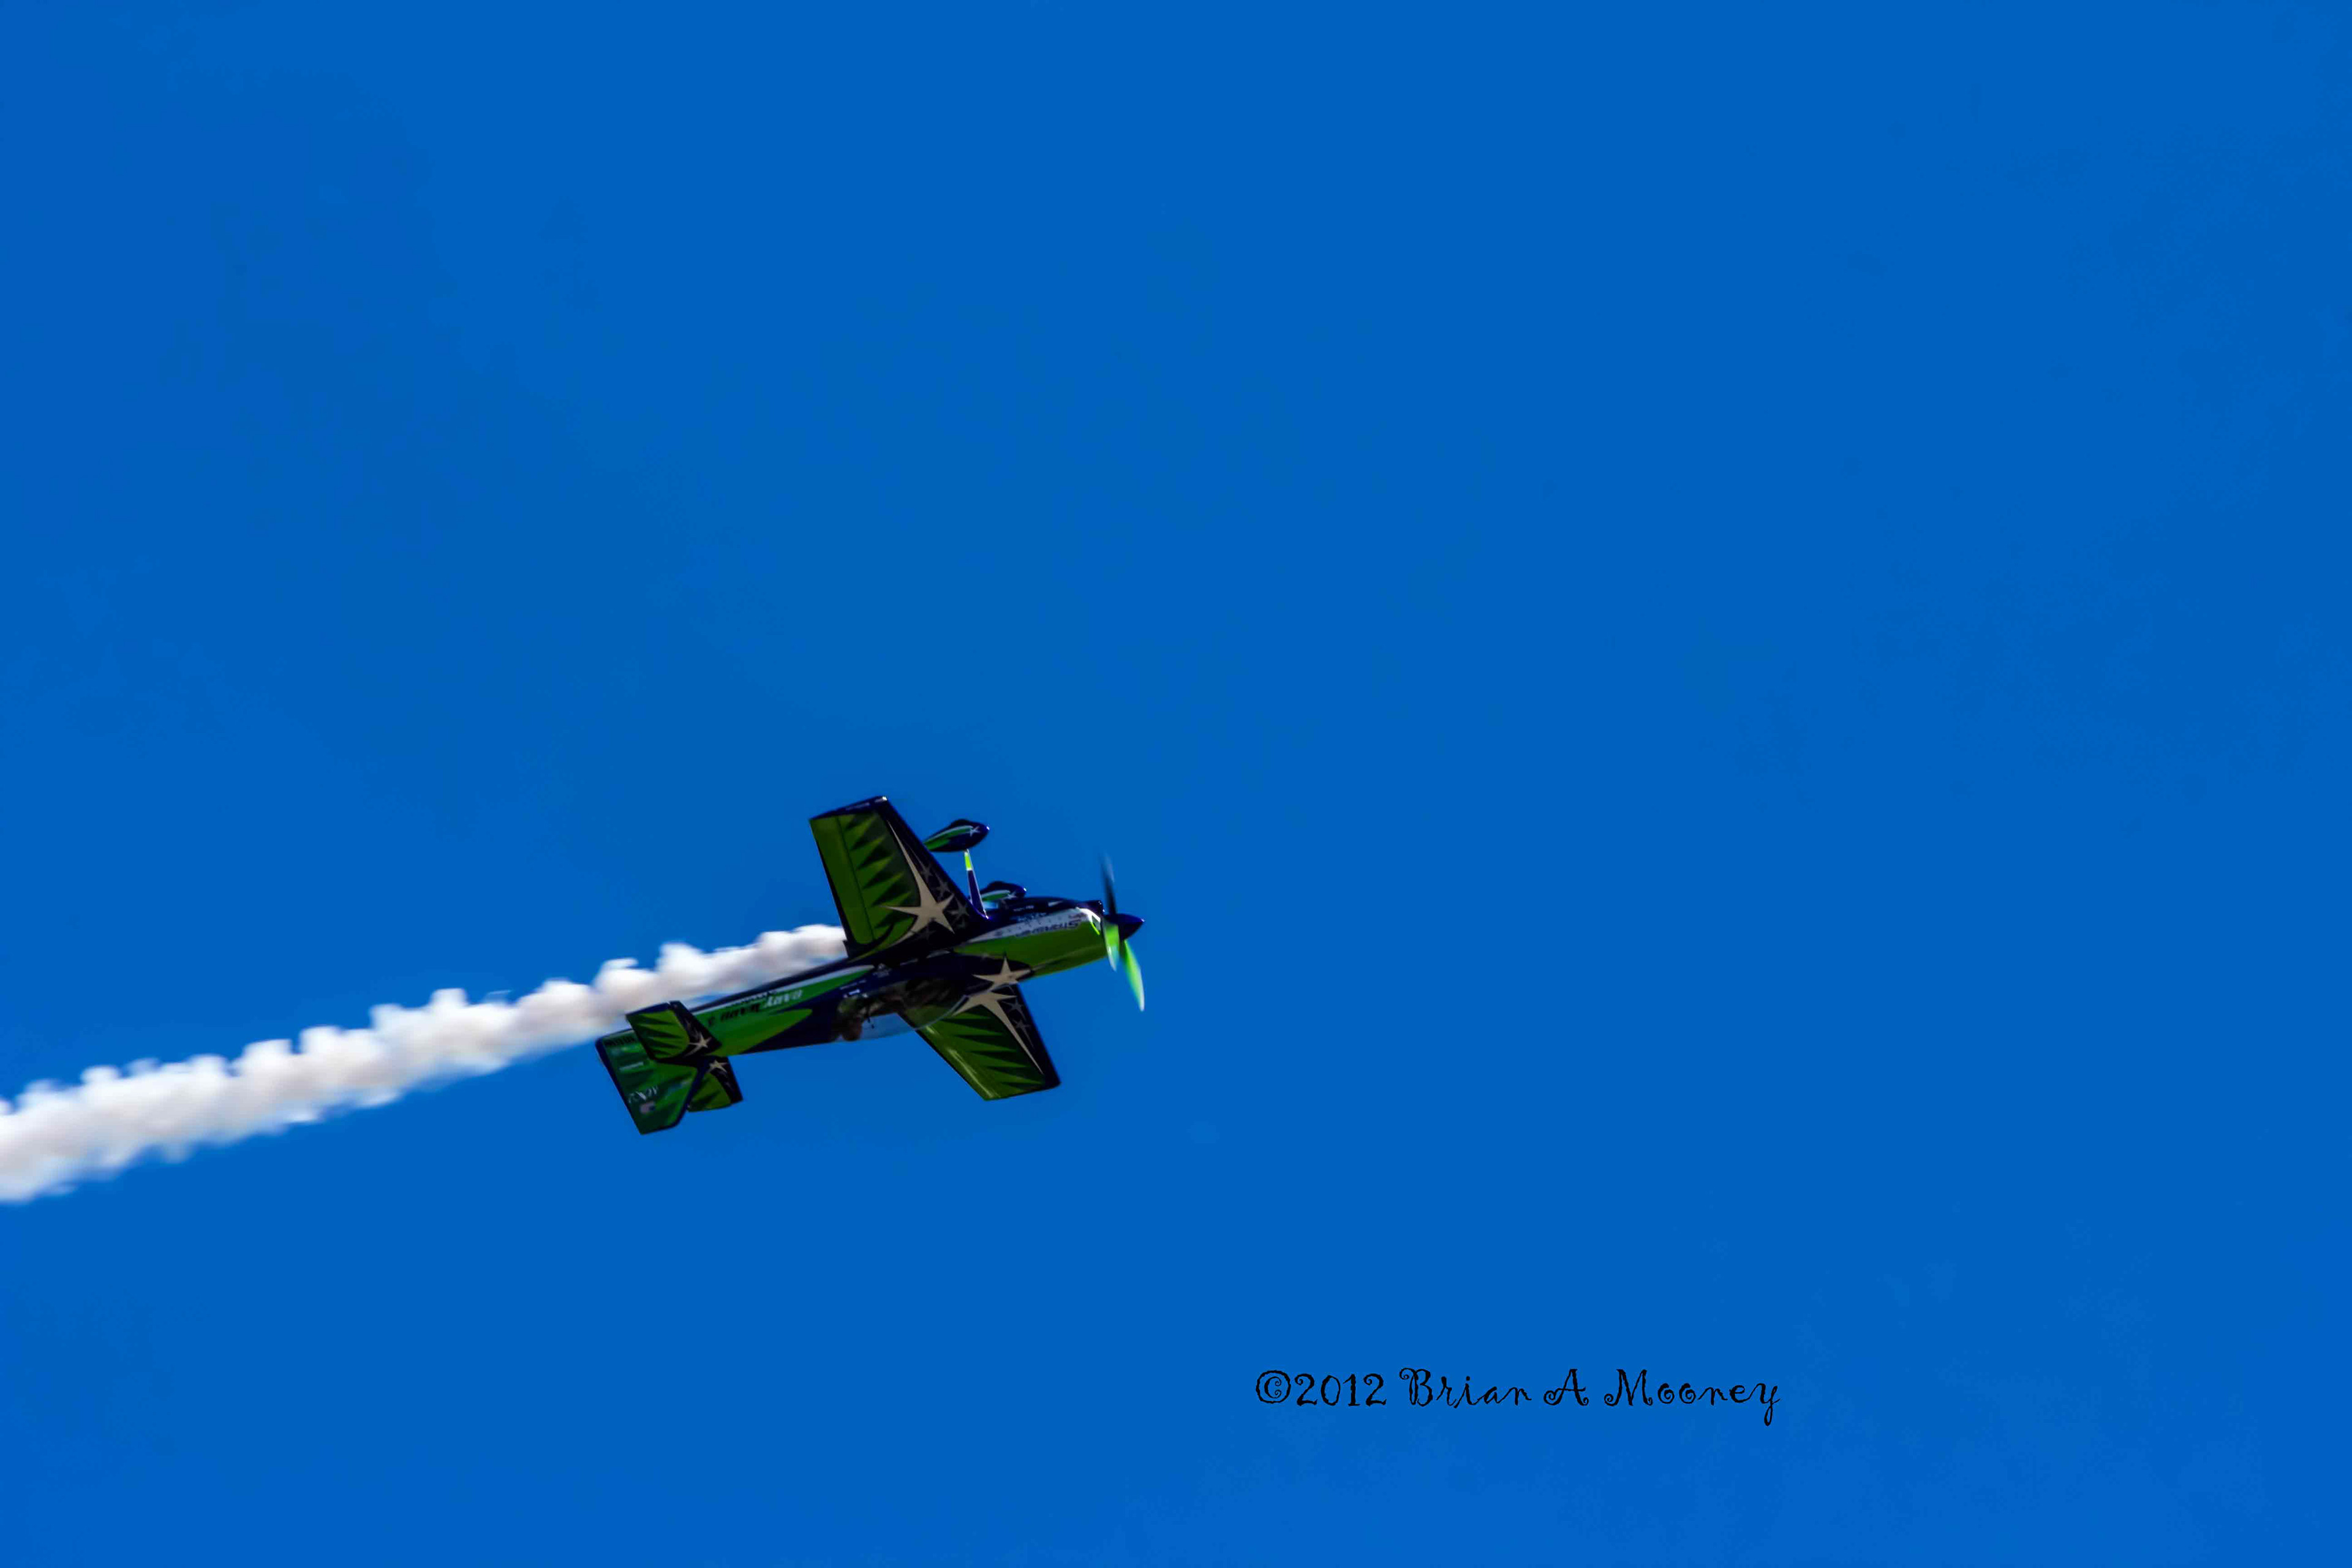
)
(993, 1045)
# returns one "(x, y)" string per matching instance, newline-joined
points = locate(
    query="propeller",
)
(1116, 947)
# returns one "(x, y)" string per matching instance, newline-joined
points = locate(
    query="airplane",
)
(923, 955)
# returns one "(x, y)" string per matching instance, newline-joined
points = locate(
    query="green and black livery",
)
(923, 954)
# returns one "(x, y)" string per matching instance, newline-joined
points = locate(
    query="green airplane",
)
(923, 956)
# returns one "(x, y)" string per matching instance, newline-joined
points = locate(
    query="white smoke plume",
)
(54, 1136)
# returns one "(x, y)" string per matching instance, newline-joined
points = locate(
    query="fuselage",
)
(907, 986)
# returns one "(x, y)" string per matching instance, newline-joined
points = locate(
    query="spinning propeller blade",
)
(1116, 947)
(1134, 973)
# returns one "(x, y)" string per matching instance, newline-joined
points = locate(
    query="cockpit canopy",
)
(1004, 900)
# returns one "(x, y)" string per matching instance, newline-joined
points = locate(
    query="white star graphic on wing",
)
(990, 1001)
(1007, 974)
(927, 908)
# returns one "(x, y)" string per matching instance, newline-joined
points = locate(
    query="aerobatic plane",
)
(925, 956)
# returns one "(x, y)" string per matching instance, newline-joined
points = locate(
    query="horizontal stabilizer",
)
(671, 1033)
(660, 1094)
(717, 1089)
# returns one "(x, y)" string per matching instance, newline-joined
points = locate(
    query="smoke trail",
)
(53, 1136)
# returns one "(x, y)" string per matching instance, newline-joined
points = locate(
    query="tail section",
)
(659, 1093)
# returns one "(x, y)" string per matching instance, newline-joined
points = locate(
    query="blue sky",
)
(1715, 646)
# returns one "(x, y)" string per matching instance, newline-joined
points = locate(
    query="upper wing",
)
(885, 883)
(995, 1044)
